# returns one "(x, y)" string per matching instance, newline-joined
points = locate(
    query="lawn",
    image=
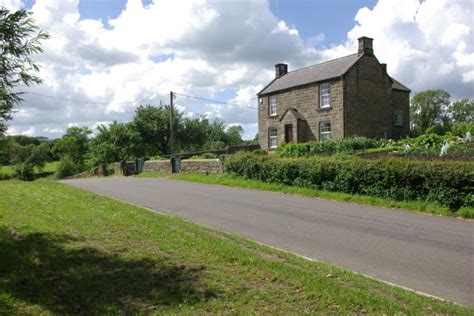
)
(50, 167)
(68, 251)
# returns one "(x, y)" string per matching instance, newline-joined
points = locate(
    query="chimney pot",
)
(280, 70)
(365, 45)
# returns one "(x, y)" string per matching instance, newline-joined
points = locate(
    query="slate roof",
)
(295, 113)
(319, 72)
(399, 86)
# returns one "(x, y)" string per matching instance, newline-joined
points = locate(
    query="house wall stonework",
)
(400, 104)
(368, 97)
(306, 101)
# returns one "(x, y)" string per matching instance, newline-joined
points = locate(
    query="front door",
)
(288, 133)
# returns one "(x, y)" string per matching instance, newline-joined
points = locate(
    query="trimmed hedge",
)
(446, 183)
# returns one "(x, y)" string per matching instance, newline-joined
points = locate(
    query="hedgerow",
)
(446, 183)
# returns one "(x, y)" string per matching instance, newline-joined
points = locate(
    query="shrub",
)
(344, 145)
(292, 150)
(24, 171)
(67, 168)
(259, 152)
(206, 156)
(446, 183)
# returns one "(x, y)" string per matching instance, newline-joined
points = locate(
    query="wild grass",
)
(68, 251)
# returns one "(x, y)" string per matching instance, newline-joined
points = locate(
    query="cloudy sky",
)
(106, 57)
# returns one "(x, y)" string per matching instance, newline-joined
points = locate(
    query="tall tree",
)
(153, 125)
(428, 109)
(19, 39)
(114, 143)
(74, 144)
(462, 111)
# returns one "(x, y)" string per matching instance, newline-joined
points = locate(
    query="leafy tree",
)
(74, 144)
(428, 109)
(194, 133)
(462, 111)
(234, 135)
(19, 39)
(115, 142)
(153, 126)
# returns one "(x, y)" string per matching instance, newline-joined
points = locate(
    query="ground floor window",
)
(398, 120)
(324, 130)
(272, 137)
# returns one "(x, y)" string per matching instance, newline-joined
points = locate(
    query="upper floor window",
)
(272, 108)
(398, 120)
(325, 95)
(324, 130)
(272, 137)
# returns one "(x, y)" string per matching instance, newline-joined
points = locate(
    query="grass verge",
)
(49, 167)
(235, 181)
(68, 251)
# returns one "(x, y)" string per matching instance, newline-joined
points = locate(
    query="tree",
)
(194, 133)
(462, 111)
(153, 125)
(19, 39)
(114, 143)
(428, 109)
(74, 145)
(234, 135)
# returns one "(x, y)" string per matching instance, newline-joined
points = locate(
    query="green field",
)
(68, 251)
(49, 167)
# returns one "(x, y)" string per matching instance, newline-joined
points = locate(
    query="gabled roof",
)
(396, 85)
(295, 113)
(319, 72)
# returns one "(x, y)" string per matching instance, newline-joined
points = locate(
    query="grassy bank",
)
(234, 181)
(67, 251)
(50, 167)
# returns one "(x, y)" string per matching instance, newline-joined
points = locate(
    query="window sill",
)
(272, 116)
(329, 108)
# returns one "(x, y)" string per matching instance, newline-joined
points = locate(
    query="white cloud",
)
(426, 44)
(212, 48)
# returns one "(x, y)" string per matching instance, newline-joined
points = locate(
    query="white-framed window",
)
(325, 95)
(272, 105)
(398, 120)
(324, 130)
(272, 137)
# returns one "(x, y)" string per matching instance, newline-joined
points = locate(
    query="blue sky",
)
(113, 55)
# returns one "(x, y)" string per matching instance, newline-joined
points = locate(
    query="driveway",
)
(431, 254)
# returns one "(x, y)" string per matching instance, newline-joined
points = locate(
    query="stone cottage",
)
(347, 96)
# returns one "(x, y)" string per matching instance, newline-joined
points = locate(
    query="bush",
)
(292, 150)
(67, 168)
(344, 145)
(24, 171)
(206, 156)
(259, 152)
(446, 183)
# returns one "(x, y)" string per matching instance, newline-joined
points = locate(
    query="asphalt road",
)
(430, 254)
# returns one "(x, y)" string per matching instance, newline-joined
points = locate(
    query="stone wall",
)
(201, 165)
(401, 105)
(157, 166)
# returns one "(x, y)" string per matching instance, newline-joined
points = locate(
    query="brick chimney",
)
(280, 70)
(365, 45)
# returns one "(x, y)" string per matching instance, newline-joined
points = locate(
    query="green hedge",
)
(446, 183)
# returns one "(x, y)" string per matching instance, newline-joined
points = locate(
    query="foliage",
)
(67, 167)
(19, 39)
(462, 111)
(259, 152)
(24, 171)
(428, 108)
(115, 142)
(153, 126)
(206, 156)
(446, 183)
(74, 145)
(292, 150)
